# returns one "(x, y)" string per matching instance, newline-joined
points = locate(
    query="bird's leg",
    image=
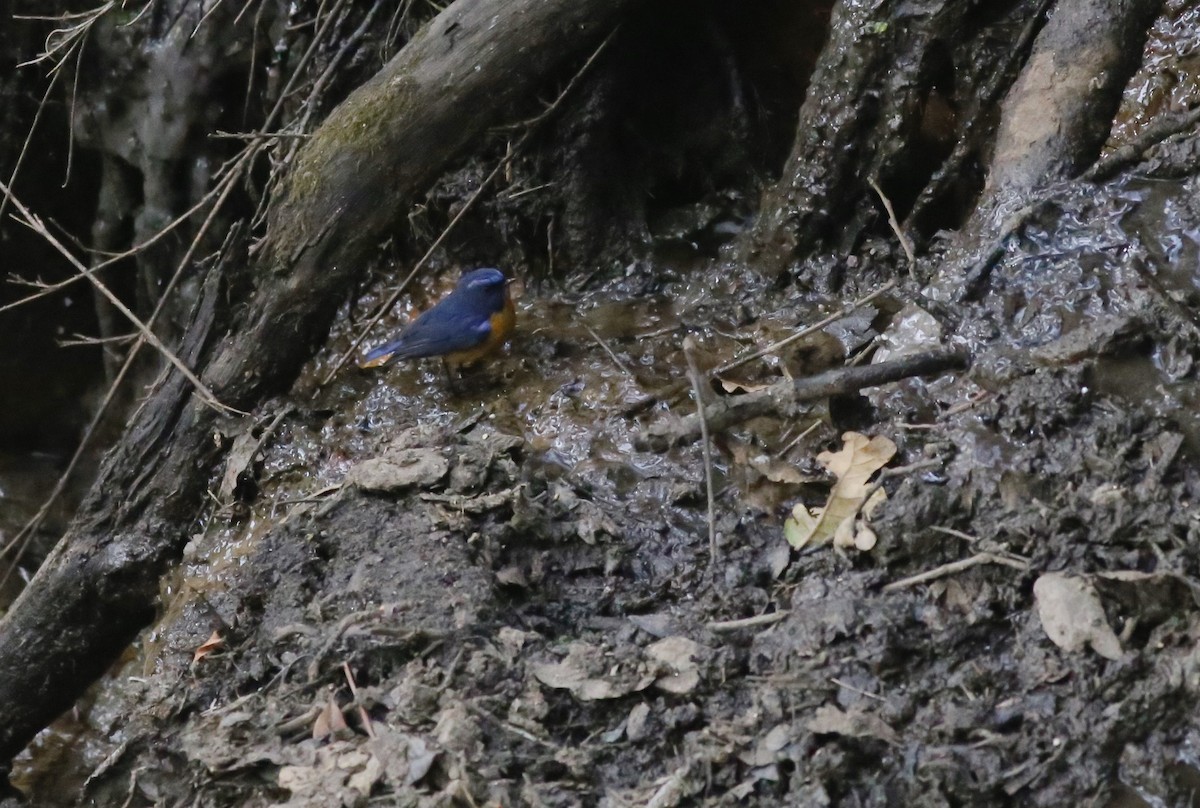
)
(451, 383)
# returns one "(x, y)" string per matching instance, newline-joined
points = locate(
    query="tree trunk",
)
(379, 149)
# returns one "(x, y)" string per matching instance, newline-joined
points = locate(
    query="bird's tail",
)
(382, 355)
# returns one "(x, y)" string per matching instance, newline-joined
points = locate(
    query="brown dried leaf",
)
(211, 644)
(330, 722)
(854, 464)
(734, 386)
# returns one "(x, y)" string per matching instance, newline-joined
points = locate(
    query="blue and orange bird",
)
(463, 327)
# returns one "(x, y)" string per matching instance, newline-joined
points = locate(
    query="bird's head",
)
(486, 284)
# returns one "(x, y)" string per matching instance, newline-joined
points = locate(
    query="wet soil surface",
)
(489, 595)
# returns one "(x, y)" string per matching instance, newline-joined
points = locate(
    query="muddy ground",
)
(411, 591)
(487, 594)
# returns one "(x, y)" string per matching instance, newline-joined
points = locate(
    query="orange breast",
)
(502, 323)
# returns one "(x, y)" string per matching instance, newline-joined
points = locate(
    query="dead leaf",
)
(369, 772)
(799, 527)
(679, 655)
(912, 330)
(399, 469)
(678, 683)
(1072, 615)
(853, 465)
(420, 760)
(330, 723)
(299, 779)
(636, 724)
(735, 386)
(211, 644)
(580, 672)
(767, 750)
(853, 723)
(239, 464)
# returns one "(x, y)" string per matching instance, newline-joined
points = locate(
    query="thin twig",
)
(245, 6)
(25, 535)
(34, 223)
(887, 474)
(37, 116)
(517, 194)
(362, 711)
(64, 38)
(574, 81)
(204, 17)
(905, 244)
(220, 191)
(958, 534)
(327, 74)
(318, 41)
(725, 626)
(803, 434)
(78, 340)
(616, 359)
(956, 567)
(511, 727)
(257, 135)
(694, 375)
(845, 311)
(71, 111)
(857, 690)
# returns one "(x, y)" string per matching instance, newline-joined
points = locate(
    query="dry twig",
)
(845, 311)
(725, 626)
(36, 224)
(608, 350)
(954, 567)
(905, 242)
(706, 446)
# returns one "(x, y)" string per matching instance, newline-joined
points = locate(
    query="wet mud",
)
(415, 590)
(421, 593)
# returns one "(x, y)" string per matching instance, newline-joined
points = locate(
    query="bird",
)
(463, 327)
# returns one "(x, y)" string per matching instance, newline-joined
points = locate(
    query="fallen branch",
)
(784, 397)
(955, 567)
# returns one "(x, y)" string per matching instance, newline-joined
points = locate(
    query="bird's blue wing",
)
(448, 327)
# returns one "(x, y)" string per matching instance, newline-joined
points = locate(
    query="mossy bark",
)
(378, 150)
